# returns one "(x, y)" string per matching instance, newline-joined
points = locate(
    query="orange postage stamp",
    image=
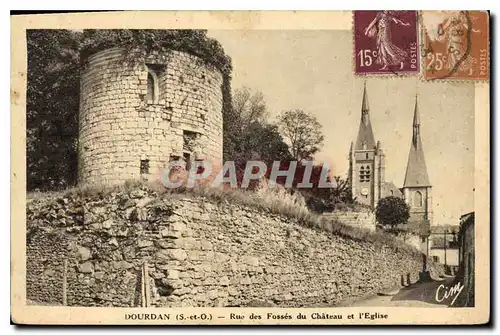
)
(455, 45)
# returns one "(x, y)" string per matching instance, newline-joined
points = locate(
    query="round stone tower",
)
(139, 111)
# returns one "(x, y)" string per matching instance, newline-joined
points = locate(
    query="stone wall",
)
(121, 124)
(467, 260)
(199, 252)
(364, 220)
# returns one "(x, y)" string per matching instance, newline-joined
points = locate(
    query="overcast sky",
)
(312, 70)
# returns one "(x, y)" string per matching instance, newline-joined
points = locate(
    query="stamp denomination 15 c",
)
(386, 42)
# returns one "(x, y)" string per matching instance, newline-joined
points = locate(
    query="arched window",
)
(364, 173)
(153, 89)
(363, 145)
(417, 199)
(392, 193)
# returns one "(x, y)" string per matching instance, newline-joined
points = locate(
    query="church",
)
(366, 174)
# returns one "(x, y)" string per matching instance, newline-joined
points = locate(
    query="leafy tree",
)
(52, 108)
(302, 132)
(250, 106)
(392, 211)
(247, 135)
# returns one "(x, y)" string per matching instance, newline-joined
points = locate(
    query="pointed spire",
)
(416, 170)
(366, 140)
(365, 107)
(416, 125)
(416, 115)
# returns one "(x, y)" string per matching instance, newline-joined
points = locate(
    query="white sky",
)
(312, 70)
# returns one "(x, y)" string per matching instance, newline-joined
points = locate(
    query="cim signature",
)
(449, 292)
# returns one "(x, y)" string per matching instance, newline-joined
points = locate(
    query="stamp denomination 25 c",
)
(455, 44)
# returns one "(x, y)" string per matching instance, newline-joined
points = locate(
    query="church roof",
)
(365, 139)
(389, 186)
(416, 170)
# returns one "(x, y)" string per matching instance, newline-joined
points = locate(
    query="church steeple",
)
(416, 170)
(365, 140)
(416, 125)
(364, 105)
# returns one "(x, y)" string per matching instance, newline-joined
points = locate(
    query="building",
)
(366, 174)
(139, 110)
(443, 246)
(467, 259)
(417, 188)
(366, 177)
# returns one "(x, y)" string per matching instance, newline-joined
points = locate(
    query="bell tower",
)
(417, 188)
(366, 161)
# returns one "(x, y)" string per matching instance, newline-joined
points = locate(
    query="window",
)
(392, 193)
(364, 174)
(189, 138)
(363, 145)
(153, 89)
(435, 259)
(367, 173)
(144, 166)
(417, 199)
(366, 155)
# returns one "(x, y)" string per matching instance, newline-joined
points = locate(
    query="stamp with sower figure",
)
(455, 45)
(386, 42)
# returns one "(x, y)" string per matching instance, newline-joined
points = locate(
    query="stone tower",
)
(138, 111)
(417, 188)
(366, 161)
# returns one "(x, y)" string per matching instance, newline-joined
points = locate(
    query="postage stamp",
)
(386, 42)
(455, 45)
(170, 168)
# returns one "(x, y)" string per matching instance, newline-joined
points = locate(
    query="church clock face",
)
(364, 191)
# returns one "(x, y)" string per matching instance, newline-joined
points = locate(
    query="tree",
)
(52, 108)
(250, 106)
(247, 135)
(302, 132)
(392, 211)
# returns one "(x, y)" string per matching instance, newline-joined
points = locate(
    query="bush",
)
(392, 211)
(193, 41)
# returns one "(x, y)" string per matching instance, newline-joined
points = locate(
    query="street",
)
(430, 294)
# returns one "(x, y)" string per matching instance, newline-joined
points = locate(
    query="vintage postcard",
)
(230, 168)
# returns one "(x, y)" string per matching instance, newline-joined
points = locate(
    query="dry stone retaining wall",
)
(364, 220)
(121, 125)
(199, 253)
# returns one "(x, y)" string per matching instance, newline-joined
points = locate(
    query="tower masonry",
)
(367, 162)
(139, 111)
(417, 188)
